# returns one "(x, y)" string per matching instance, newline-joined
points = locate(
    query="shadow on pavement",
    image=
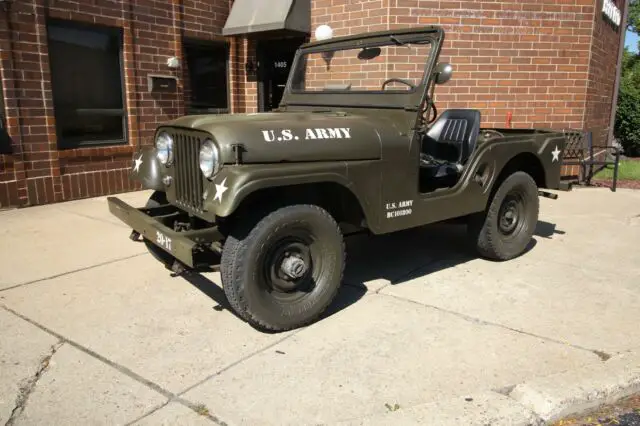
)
(345, 298)
(407, 255)
(547, 230)
(397, 258)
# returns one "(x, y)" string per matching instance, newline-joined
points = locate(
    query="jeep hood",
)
(291, 136)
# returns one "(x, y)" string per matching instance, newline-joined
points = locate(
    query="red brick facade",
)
(37, 172)
(550, 63)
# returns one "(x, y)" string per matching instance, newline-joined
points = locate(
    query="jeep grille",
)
(188, 177)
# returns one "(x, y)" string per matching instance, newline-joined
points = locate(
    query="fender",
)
(242, 182)
(541, 147)
(149, 172)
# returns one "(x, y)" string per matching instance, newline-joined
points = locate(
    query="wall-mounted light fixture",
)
(325, 32)
(173, 62)
(251, 66)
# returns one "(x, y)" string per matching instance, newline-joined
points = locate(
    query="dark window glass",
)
(5, 141)
(207, 68)
(86, 76)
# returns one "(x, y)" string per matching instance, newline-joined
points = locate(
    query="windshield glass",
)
(363, 69)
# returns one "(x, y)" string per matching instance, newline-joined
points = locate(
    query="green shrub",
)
(627, 127)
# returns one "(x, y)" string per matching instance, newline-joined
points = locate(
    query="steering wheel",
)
(398, 80)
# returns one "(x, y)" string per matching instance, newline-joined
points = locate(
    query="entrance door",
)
(275, 58)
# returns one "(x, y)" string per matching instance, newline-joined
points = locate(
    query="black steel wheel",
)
(283, 271)
(505, 229)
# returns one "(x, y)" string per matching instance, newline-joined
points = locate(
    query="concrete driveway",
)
(95, 331)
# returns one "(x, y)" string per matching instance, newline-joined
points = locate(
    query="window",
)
(207, 65)
(86, 79)
(396, 67)
(5, 140)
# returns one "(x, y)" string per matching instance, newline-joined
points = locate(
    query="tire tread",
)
(243, 237)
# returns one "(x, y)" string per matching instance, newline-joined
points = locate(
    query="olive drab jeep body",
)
(356, 145)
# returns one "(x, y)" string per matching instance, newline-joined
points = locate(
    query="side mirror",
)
(443, 72)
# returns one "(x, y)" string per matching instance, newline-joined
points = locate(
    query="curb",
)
(538, 401)
(484, 408)
(572, 392)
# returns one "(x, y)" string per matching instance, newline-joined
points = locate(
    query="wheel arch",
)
(334, 196)
(524, 162)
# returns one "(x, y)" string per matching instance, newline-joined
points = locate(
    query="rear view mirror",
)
(443, 73)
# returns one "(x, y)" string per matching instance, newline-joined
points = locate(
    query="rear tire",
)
(158, 199)
(282, 271)
(505, 229)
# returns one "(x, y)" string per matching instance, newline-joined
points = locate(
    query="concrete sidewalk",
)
(95, 331)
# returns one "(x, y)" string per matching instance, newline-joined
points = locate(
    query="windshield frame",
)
(396, 99)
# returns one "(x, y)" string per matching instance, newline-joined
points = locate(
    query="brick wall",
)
(530, 58)
(602, 71)
(37, 172)
(244, 86)
(344, 67)
(551, 63)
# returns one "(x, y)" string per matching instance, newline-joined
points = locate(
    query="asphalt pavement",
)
(95, 331)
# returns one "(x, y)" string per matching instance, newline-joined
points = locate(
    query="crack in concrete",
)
(600, 354)
(171, 397)
(62, 274)
(29, 384)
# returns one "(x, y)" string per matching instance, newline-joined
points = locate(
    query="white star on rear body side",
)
(138, 161)
(556, 154)
(220, 189)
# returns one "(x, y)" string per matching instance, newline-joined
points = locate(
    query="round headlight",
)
(164, 148)
(209, 157)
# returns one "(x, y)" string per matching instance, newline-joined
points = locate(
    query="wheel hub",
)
(294, 267)
(288, 265)
(509, 217)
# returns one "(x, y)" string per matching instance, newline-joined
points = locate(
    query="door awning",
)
(253, 16)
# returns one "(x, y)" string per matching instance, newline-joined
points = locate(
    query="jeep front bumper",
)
(186, 246)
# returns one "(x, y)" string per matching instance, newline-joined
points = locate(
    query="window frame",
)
(203, 43)
(111, 31)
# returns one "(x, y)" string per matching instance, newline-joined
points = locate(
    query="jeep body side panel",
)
(403, 206)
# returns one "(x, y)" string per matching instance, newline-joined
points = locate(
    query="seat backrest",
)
(454, 134)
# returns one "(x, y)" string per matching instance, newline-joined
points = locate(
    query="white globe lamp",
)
(324, 32)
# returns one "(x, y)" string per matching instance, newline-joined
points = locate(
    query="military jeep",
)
(356, 145)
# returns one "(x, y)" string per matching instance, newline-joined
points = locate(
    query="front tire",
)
(282, 271)
(505, 230)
